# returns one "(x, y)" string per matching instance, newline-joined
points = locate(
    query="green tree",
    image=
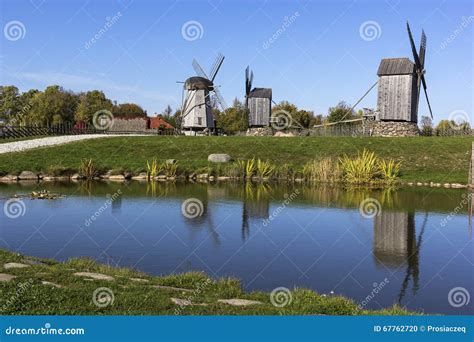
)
(340, 112)
(300, 118)
(9, 102)
(129, 110)
(53, 106)
(426, 126)
(90, 103)
(234, 119)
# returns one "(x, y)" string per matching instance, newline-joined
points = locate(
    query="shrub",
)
(361, 170)
(264, 169)
(389, 170)
(87, 169)
(152, 169)
(169, 170)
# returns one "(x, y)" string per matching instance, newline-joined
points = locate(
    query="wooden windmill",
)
(258, 102)
(196, 110)
(399, 85)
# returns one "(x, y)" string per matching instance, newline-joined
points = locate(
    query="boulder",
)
(14, 265)
(96, 276)
(9, 178)
(283, 134)
(239, 302)
(219, 158)
(6, 277)
(117, 177)
(28, 175)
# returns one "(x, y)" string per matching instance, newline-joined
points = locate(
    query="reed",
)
(250, 168)
(152, 169)
(87, 169)
(389, 171)
(264, 169)
(169, 170)
(363, 169)
(324, 170)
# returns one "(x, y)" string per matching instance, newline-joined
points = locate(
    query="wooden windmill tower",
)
(196, 110)
(258, 102)
(399, 85)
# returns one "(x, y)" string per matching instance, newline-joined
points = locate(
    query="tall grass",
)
(325, 170)
(87, 169)
(360, 170)
(389, 170)
(169, 170)
(264, 169)
(152, 169)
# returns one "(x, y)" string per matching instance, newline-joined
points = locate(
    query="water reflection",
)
(229, 239)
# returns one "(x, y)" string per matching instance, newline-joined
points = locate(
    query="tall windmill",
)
(258, 102)
(196, 110)
(399, 84)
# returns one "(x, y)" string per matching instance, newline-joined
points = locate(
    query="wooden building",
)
(197, 110)
(397, 98)
(260, 107)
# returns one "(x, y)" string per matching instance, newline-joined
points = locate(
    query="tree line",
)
(55, 106)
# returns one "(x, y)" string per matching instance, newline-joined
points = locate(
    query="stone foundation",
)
(395, 129)
(259, 131)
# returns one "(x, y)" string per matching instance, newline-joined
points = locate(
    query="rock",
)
(203, 176)
(141, 176)
(127, 175)
(76, 176)
(140, 280)
(96, 276)
(181, 302)
(447, 185)
(458, 186)
(161, 177)
(171, 161)
(410, 184)
(283, 134)
(192, 176)
(223, 178)
(117, 177)
(164, 287)
(44, 282)
(259, 131)
(14, 265)
(239, 302)
(48, 178)
(419, 184)
(211, 178)
(6, 277)
(9, 178)
(28, 175)
(219, 158)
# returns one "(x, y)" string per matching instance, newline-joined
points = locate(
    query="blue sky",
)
(320, 58)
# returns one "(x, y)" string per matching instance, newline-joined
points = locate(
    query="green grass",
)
(26, 295)
(437, 159)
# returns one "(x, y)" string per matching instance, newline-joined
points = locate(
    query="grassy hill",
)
(435, 159)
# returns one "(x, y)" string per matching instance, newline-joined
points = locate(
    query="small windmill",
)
(399, 84)
(196, 106)
(258, 102)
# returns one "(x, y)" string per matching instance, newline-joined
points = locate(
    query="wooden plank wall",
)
(394, 99)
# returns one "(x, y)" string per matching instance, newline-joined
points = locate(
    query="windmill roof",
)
(197, 82)
(396, 66)
(261, 92)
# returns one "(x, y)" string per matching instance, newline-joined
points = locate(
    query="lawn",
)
(437, 159)
(50, 288)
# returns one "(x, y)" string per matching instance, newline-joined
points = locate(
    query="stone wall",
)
(395, 129)
(129, 125)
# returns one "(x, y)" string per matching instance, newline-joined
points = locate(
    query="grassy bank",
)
(422, 159)
(51, 288)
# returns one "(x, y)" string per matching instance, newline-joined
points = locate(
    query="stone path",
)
(96, 276)
(23, 145)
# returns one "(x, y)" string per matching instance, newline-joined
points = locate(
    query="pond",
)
(410, 246)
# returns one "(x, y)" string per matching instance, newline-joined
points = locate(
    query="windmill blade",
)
(413, 49)
(422, 48)
(220, 99)
(426, 95)
(215, 68)
(251, 79)
(198, 69)
(247, 86)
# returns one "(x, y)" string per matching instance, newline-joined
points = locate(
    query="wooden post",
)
(471, 169)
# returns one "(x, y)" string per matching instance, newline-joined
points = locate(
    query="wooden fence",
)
(15, 132)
